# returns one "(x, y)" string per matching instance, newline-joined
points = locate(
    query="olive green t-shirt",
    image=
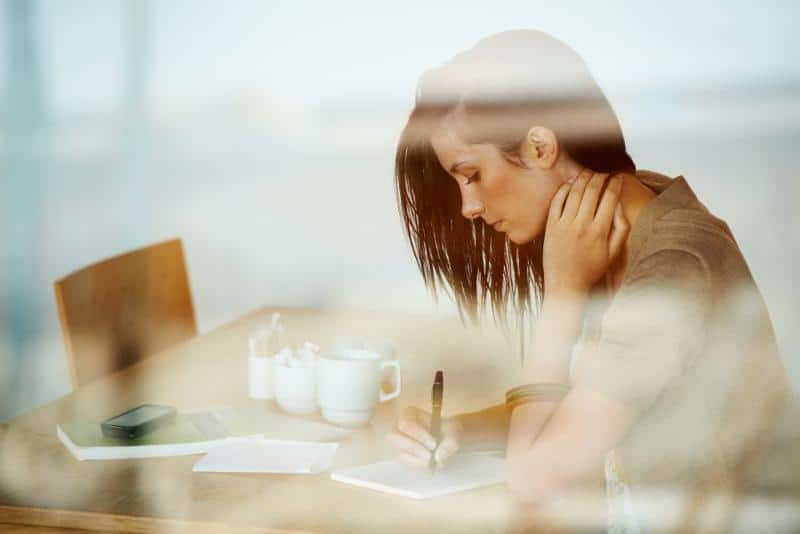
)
(687, 340)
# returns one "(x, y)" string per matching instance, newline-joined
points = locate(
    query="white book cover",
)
(462, 472)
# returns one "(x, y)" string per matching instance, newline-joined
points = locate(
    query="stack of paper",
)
(241, 455)
(277, 425)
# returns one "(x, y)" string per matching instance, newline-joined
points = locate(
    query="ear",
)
(540, 148)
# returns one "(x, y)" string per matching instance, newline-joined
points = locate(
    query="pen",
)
(436, 415)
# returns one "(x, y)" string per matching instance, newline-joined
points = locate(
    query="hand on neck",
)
(634, 197)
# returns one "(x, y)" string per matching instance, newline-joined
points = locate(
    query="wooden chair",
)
(125, 308)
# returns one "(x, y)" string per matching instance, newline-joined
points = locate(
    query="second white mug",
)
(349, 385)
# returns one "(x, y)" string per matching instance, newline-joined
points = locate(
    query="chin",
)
(521, 237)
(523, 234)
(517, 239)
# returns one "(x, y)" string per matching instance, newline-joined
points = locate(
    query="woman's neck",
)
(635, 196)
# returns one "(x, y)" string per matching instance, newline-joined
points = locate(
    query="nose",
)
(471, 206)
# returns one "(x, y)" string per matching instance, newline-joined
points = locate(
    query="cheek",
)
(501, 189)
(531, 208)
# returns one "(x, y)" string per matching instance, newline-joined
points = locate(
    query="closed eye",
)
(474, 178)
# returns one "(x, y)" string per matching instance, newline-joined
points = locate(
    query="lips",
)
(497, 225)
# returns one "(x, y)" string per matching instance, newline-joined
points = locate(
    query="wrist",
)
(562, 297)
(483, 429)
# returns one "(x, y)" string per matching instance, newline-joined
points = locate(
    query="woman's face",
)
(509, 198)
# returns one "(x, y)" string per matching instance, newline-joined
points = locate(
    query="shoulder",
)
(691, 229)
(678, 226)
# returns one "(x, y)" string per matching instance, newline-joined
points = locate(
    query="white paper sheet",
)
(243, 455)
(460, 473)
(278, 426)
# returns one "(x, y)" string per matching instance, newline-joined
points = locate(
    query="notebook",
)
(462, 472)
(191, 433)
(188, 434)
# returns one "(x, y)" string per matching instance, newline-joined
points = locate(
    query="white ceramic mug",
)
(349, 385)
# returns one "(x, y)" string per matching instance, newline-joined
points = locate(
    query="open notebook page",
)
(460, 473)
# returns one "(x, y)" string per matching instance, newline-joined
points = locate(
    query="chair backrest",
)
(125, 308)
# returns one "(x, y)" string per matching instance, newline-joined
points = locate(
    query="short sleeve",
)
(652, 331)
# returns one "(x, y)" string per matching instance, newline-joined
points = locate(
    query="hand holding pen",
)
(412, 439)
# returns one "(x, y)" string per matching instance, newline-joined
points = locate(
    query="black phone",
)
(138, 421)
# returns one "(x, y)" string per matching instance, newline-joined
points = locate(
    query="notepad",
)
(462, 472)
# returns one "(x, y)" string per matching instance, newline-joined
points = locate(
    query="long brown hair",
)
(498, 90)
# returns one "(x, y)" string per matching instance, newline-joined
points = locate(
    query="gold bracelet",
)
(534, 392)
(533, 398)
(537, 389)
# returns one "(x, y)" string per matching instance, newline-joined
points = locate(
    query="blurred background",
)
(263, 135)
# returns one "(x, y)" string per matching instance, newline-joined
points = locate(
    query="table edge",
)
(47, 517)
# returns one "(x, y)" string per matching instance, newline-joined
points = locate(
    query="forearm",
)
(553, 337)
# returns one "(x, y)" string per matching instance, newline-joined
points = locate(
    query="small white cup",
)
(295, 388)
(348, 385)
(260, 371)
(259, 366)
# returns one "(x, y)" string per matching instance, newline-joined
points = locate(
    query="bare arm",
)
(553, 337)
(552, 444)
(554, 334)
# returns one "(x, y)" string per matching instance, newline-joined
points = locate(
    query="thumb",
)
(619, 231)
(446, 449)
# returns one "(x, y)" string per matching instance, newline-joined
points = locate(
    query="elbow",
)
(530, 488)
(535, 481)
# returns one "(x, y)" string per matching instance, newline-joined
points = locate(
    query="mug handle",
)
(394, 394)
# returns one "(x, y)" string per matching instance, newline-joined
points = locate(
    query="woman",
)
(516, 188)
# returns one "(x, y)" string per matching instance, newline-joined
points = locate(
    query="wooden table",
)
(42, 484)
